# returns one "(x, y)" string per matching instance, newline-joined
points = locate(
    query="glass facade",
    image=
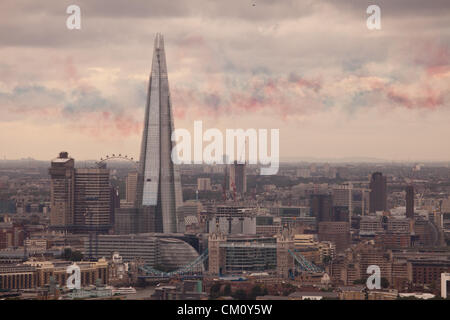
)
(159, 183)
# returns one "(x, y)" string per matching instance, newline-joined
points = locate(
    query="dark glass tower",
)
(322, 207)
(410, 201)
(378, 192)
(159, 186)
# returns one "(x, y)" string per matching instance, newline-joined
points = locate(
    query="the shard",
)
(159, 187)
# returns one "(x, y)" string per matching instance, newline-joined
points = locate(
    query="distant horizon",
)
(362, 160)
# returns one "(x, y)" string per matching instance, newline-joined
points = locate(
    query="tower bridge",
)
(229, 256)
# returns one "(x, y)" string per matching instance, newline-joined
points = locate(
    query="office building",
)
(151, 249)
(159, 186)
(410, 202)
(131, 186)
(336, 232)
(92, 199)
(62, 184)
(343, 197)
(378, 192)
(38, 274)
(238, 178)
(236, 254)
(322, 207)
(81, 199)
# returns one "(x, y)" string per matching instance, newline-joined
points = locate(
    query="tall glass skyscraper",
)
(378, 192)
(159, 186)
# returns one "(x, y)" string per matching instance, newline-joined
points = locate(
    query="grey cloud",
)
(32, 100)
(395, 8)
(119, 22)
(240, 9)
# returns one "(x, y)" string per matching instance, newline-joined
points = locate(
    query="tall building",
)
(62, 183)
(226, 178)
(238, 178)
(378, 192)
(343, 197)
(92, 199)
(159, 186)
(114, 203)
(81, 198)
(410, 201)
(322, 207)
(131, 186)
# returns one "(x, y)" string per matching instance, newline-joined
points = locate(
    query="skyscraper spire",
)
(159, 185)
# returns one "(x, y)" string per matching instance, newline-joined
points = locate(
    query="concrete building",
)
(62, 185)
(445, 285)
(17, 277)
(11, 235)
(268, 225)
(127, 221)
(37, 274)
(308, 246)
(131, 187)
(92, 199)
(129, 247)
(370, 225)
(427, 272)
(238, 254)
(232, 219)
(351, 265)
(351, 293)
(335, 232)
(81, 198)
(152, 249)
(393, 240)
(203, 184)
(290, 211)
(243, 254)
(245, 224)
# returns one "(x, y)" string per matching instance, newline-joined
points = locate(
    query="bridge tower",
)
(216, 254)
(285, 261)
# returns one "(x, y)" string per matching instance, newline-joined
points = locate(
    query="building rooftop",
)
(269, 297)
(301, 294)
(351, 288)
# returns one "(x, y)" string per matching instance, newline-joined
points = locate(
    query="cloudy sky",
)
(310, 68)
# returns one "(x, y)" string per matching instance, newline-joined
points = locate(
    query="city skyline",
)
(336, 92)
